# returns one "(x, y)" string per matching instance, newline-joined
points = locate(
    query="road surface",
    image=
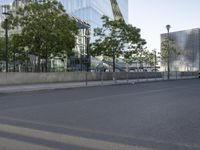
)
(145, 116)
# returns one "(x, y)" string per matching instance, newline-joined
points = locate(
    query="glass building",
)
(92, 10)
(187, 42)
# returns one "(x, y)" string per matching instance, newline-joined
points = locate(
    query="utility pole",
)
(6, 48)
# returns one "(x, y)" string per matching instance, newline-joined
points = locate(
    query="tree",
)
(46, 30)
(168, 47)
(150, 58)
(17, 51)
(116, 38)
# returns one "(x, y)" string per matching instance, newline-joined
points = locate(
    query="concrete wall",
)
(31, 78)
(59, 77)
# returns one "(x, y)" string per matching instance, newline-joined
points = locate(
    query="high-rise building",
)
(92, 10)
(187, 42)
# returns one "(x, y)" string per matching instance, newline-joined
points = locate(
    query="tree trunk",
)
(26, 61)
(46, 61)
(46, 64)
(113, 61)
(38, 67)
(14, 60)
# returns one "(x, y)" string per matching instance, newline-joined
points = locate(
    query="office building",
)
(187, 43)
(92, 10)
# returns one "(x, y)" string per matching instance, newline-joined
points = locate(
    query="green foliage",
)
(168, 46)
(150, 58)
(145, 56)
(45, 30)
(116, 38)
(14, 48)
(17, 49)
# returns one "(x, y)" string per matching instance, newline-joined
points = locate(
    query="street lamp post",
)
(155, 59)
(6, 37)
(88, 46)
(6, 13)
(168, 63)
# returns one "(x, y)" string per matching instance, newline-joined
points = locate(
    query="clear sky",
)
(151, 16)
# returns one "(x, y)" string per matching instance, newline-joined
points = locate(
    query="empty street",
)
(146, 116)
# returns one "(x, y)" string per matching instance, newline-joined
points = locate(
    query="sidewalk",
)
(6, 89)
(68, 85)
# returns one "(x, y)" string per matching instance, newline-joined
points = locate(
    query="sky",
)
(152, 16)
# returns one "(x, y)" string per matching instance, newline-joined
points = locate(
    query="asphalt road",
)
(146, 116)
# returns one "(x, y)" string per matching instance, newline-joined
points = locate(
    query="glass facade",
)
(188, 43)
(92, 10)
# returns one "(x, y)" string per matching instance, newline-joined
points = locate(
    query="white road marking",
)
(145, 139)
(10, 144)
(67, 139)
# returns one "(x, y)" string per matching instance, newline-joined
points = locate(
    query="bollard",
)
(101, 78)
(127, 77)
(114, 78)
(86, 79)
(163, 75)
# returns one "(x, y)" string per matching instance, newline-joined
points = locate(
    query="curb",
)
(37, 88)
